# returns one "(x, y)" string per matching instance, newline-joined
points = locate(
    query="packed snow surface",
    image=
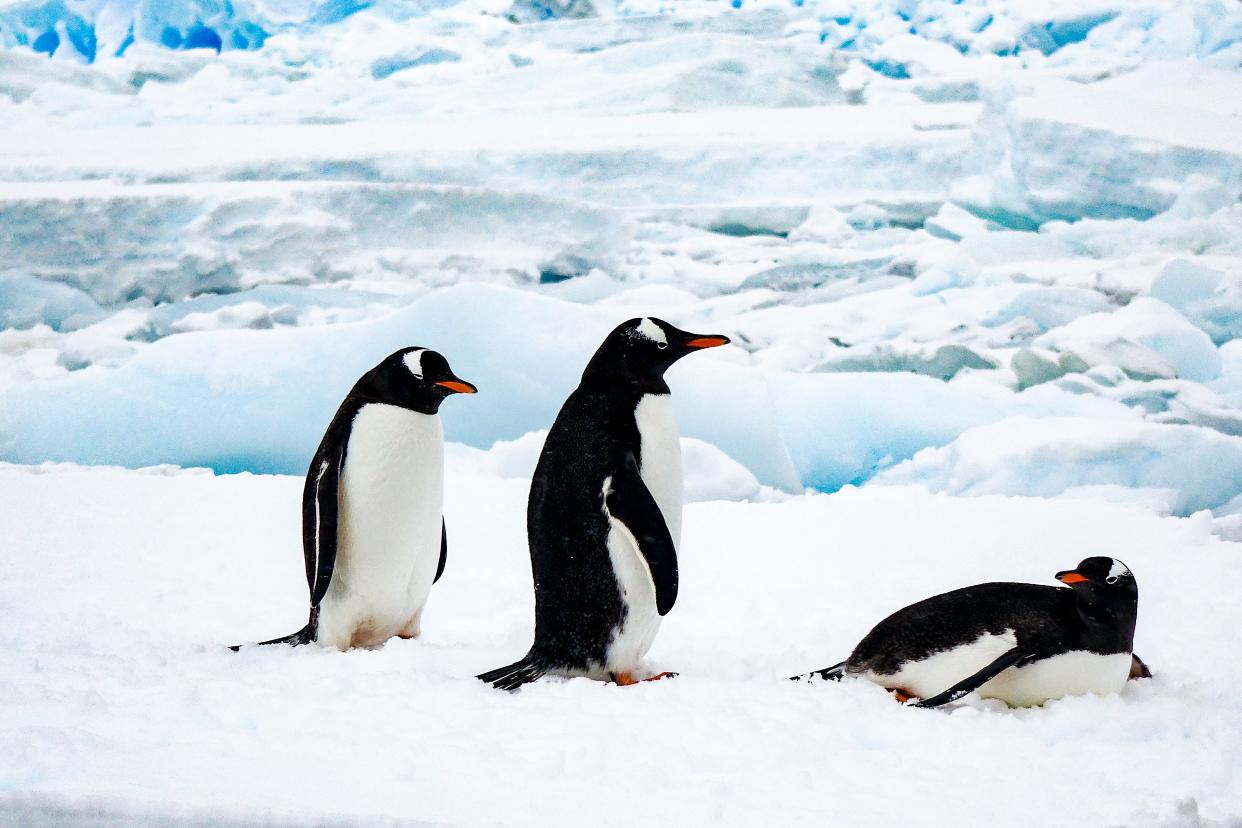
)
(981, 266)
(123, 587)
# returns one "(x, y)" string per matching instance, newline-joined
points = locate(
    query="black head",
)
(1101, 580)
(641, 350)
(415, 378)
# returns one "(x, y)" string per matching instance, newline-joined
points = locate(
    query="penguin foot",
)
(664, 675)
(901, 695)
(626, 679)
(413, 629)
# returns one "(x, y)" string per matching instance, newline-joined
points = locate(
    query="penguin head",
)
(1101, 578)
(642, 349)
(415, 378)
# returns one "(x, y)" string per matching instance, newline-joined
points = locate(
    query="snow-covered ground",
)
(981, 262)
(122, 587)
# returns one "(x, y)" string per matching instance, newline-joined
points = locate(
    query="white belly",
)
(388, 538)
(937, 673)
(631, 641)
(1070, 674)
(660, 450)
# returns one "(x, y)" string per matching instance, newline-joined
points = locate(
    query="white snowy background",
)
(982, 266)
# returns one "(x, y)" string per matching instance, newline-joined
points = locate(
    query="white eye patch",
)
(414, 361)
(1117, 571)
(651, 331)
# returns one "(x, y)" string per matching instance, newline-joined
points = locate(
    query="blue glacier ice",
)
(1052, 456)
(107, 28)
(26, 301)
(925, 223)
(259, 400)
(91, 29)
(392, 64)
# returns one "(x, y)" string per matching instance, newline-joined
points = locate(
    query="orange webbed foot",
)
(626, 679)
(659, 676)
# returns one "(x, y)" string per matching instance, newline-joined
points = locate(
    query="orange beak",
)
(1070, 577)
(708, 341)
(458, 387)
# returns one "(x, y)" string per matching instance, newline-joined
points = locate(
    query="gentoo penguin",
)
(373, 529)
(604, 515)
(1021, 643)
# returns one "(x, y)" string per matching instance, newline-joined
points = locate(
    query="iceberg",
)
(1197, 468)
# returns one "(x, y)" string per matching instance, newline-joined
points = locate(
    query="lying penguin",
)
(373, 530)
(604, 515)
(1021, 643)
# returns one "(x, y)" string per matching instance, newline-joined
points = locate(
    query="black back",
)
(577, 598)
(1092, 615)
(577, 601)
(393, 382)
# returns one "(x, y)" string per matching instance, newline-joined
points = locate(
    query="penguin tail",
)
(834, 673)
(514, 675)
(303, 636)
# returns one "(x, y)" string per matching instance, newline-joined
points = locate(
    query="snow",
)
(1121, 147)
(1048, 456)
(26, 301)
(121, 698)
(980, 264)
(1208, 296)
(710, 474)
(1145, 338)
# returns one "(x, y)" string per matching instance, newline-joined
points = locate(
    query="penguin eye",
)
(661, 345)
(1111, 579)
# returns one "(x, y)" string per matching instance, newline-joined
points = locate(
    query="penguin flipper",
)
(443, 551)
(514, 675)
(320, 513)
(1015, 657)
(834, 673)
(630, 502)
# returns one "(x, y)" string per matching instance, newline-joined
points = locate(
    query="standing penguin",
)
(604, 516)
(1021, 643)
(373, 529)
